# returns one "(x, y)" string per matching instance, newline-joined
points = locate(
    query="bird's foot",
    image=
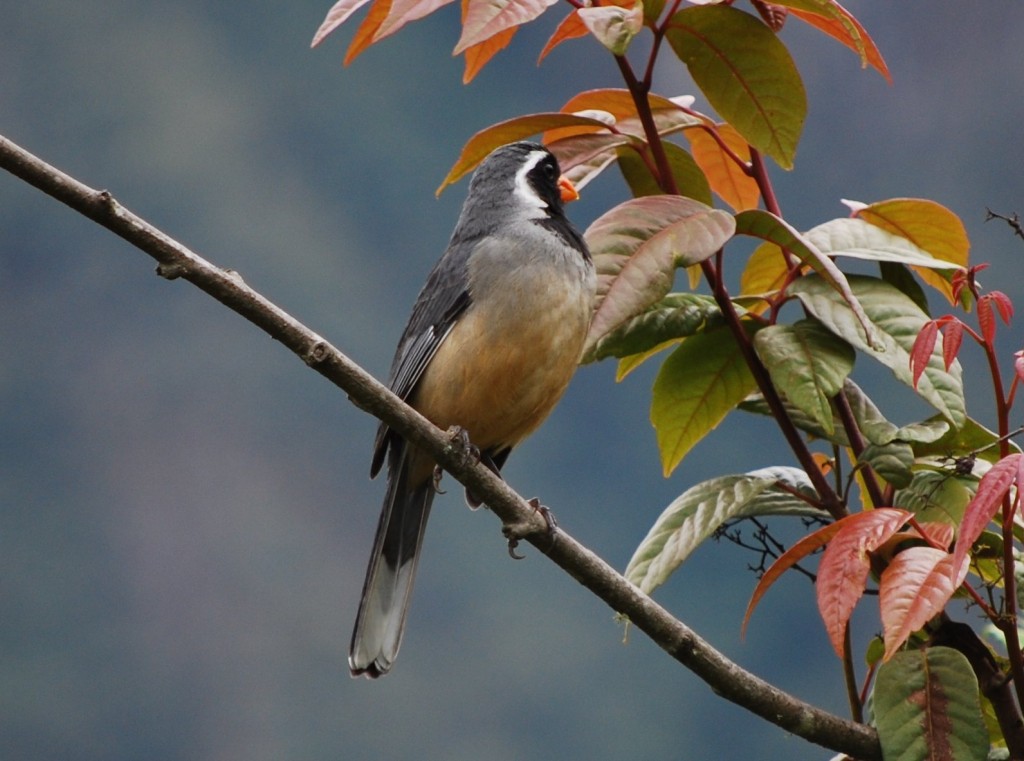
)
(435, 481)
(515, 532)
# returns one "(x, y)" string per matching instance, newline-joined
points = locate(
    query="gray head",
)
(518, 181)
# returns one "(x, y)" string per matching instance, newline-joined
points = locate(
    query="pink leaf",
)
(843, 570)
(404, 11)
(336, 16)
(482, 20)
(915, 588)
(983, 507)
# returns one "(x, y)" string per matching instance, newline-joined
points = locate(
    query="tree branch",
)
(518, 516)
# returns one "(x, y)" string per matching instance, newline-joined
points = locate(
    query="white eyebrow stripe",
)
(523, 189)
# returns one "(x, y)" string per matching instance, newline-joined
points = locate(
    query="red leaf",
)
(922, 349)
(983, 507)
(913, 589)
(787, 560)
(335, 17)
(482, 19)
(481, 53)
(952, 338)
(1003, 305)
(986, 319)
(569, 28)
(844, 568)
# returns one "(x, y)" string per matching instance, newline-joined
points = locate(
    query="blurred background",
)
(185, 513)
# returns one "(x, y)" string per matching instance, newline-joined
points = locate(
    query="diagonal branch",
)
(518, 517)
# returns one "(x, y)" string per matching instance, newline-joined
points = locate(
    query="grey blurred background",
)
(185, 513)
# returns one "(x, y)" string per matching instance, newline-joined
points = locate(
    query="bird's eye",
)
(549, 171)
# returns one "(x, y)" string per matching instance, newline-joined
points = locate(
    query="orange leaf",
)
(481, 53)
(928, 225)
(849, 31)
(335, 17)
(482, 19)
(368, 29)
(787, 560)
(845, 565)
(518, 128)
(913, 589)
(727, 178)
(569, 28)
(619, 103)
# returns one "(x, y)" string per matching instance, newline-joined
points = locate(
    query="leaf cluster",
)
(928, 511)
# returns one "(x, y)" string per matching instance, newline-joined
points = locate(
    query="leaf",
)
(937, 496)
(478, 55)
(927, 708)
(807, 363)
(583, 157)
(765, 271)
(971, 438)
(857, 239)
(689, 179)
(767, 226)
(994, 486)
(834, 20)
(403, 12)
(844, 567)
(676, 316)
(697, 386)
(486, 140)
(892, 461)
(921, 351)
(897, 320)
(929, 226)
(726, 177)
(669, 114)
(787, 560)
(335, 17)
(638, 245)
(367, 31)
(569, 28)
(483, 20)
(699, 511)
(913, 589)
(614, 27)
(746, 73)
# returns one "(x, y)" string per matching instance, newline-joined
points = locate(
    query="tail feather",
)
(392, 569)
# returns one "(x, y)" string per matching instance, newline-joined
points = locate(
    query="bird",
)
(493, 340)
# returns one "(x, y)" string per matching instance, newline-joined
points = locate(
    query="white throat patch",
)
(523, 190)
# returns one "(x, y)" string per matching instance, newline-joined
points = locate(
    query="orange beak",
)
(567, 190)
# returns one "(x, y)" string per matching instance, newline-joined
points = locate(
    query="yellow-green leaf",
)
(746, 73)
(699, 384)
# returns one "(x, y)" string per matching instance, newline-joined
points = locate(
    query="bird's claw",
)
(515, 532)
(435, 481)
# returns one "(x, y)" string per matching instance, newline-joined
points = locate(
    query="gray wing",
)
(444, 297)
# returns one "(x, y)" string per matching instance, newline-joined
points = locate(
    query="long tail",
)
(392, 570)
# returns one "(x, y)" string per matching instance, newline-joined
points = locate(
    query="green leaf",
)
(897, 320)
(700, 510)
(613, 26)
(857, 239)
(746, 73)
(926, 707)
(637, 247)
(891, 461)
(698, 385)
(690, 180)
(970, 438)
(768, 227)
(937, 497)
(678, 315)
(808, 364)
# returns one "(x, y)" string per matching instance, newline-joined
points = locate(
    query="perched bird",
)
(494, 337)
